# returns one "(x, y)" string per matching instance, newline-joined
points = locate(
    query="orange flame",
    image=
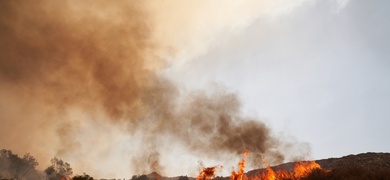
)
(301, 170)
(240, 175)
(207, 173)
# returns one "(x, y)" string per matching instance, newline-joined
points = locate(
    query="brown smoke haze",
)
(78, 78)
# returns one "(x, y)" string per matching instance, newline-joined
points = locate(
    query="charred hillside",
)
(360, 166)
(368, 160)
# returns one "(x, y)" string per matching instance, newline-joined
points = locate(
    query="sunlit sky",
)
(320, 72)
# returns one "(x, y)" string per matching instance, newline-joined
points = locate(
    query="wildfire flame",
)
(240, 174)
(301, 170)
(207, 173)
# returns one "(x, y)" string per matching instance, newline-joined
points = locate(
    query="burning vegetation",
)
(301, 170)
(207, 173)
(375, 166)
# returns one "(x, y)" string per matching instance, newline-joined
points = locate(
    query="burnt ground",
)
(360, 166)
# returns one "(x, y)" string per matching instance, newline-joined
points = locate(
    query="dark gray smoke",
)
(100, 57)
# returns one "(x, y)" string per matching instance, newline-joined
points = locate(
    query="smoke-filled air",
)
(85, 81)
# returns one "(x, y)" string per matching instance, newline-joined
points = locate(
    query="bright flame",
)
(208, 173)
(301, 170)
(240, 175)
(269, 174)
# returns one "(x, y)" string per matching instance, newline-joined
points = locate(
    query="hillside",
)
(368, 160)
(360, 166)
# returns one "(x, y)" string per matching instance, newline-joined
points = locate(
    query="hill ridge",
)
(369, 160)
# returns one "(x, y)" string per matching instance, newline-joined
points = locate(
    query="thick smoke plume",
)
(66, 65)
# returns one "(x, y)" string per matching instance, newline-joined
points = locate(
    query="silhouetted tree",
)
(13, 166)
(82, 177)
(58, 169)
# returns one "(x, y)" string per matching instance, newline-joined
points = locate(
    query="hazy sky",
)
(122, 88)
(320, 73)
